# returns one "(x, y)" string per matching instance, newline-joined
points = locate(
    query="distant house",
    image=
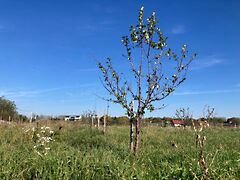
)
(66, 118)
(178, 123)
(72, 118)
(78, 117)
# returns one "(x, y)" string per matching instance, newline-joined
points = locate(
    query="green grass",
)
(79, 152)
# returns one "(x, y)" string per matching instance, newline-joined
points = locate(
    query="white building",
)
(73, 118)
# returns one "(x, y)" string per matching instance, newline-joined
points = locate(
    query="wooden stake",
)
(98, 122)
(104, 123)
(92, 124)
(131, 145)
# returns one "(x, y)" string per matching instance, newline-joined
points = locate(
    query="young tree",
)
(147, 53)
(184, 115)
(208, 114)
(89, 117)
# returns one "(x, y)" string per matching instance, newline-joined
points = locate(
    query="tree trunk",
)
(131, 136)
(137, 134)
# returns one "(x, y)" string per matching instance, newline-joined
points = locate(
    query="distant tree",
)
(89, 117)
(22, 118)
(110, 120)
(123, 120)
(234, 120)
(208, 112)
(147, 53)
(8, 109)
(217, 120)
(184, 115)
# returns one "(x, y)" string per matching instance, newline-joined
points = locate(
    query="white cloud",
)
(179, 29)
(206, 62)
(93, 27)
(206, 92)
(33, 93)
(23, 93)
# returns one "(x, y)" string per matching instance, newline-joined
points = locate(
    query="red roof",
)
(178, 122)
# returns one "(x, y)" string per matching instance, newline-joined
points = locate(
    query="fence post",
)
(104, 123)
(98, 122)
(92, 124)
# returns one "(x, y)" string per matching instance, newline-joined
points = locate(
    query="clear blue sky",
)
(49, 52)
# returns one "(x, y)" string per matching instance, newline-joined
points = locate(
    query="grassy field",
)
(79, 152)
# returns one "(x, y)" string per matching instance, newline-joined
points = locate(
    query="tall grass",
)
(79, 152)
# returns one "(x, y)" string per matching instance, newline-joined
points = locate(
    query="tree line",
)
(8, 111)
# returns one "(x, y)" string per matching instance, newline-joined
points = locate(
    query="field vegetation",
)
(71, 150)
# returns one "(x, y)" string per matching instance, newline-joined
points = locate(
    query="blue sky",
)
(49, 52)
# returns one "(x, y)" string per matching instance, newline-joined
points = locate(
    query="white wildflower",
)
(44, 137)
